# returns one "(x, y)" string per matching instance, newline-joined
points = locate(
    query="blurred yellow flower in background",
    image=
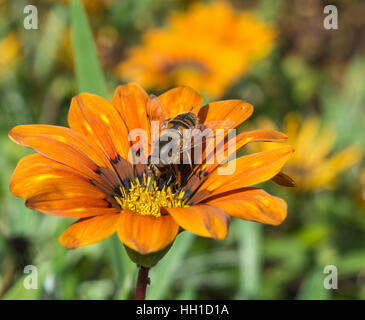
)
(311, 166)
(208, 48)
(9, 52)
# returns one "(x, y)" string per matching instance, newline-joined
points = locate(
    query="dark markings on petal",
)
(195, 197)
(124, 169)
(112, 202)
(117, 191)
(192, 186)
(163, 211)
(101, 186)
(116, 160)
(139, 170)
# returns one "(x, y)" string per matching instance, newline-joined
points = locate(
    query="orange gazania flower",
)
(83, 172)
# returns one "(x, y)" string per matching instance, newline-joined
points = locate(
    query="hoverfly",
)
(178, 133)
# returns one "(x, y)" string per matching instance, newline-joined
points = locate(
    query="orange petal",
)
(251, 204)
(233, 112)
(52, 188)
(146, 234)
(156, 110)
(260, 135)
(99, 121)
(242, 140)
(131, 100)
(77, 207)
(181, 99)
(203, 220)
(130, 89)
(88, 231)
(250, 170)
(36, 174)
(62, 145)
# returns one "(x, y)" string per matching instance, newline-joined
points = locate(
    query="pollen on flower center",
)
(148, 199)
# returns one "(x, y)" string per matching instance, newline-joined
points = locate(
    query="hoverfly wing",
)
(215, 141)
(195, 138)
(219, 124)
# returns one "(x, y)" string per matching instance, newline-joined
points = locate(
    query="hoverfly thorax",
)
(166, 154)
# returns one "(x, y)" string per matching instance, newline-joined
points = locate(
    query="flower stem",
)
(142, 282)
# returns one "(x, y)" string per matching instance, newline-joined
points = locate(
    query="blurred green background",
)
(311, 70)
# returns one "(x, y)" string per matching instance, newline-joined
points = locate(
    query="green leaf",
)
(312, 287)
(351, 263)
(346, 106)
(88, 72)
(188, 292)
(162, 275)
(18, 290)
(123, 267)
(249, 236)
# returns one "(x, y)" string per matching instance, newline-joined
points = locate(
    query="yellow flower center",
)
(148, 199)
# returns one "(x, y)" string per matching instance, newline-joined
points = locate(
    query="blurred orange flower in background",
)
(311, 166)
(83, 172)
(208, 48)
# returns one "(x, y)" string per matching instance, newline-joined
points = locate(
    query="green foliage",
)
(88, 73)
(312, 287)
(164, 273)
